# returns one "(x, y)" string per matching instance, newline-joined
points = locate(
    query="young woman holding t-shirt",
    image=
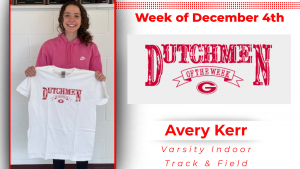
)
(73, 48)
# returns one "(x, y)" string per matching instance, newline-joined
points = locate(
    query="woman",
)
(72, 48)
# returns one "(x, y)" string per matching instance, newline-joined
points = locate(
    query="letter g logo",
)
(60, 101)
(207, 87)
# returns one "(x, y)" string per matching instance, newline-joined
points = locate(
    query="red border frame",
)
(115, 69)
(115, 83)
(115, 88)
(9, 89)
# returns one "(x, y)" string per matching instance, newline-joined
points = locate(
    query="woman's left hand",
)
(100, 76)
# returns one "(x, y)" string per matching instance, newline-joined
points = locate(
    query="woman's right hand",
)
(30, 71)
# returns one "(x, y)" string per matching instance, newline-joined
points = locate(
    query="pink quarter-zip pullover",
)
(61, 53)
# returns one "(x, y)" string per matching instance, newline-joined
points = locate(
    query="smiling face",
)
(71, 19)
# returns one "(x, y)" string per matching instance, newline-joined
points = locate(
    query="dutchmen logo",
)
(61, 93)
(222, 54)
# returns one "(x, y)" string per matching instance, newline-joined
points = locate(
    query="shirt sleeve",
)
(24, 87)
(43, 57)
(95, 63)
(100, 96)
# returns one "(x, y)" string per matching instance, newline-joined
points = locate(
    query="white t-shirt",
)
(62, 112)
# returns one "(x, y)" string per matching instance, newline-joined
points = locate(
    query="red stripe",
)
(115, 87)
(9, 87)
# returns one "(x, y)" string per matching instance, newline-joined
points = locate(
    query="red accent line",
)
(115, 91)
(115, 86)
(9, 87)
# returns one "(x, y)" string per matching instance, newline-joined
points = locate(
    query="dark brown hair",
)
(83, 35)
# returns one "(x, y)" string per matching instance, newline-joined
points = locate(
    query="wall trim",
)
(103, 6)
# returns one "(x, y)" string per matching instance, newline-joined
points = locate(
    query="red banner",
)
(61, 97)
(200, 71)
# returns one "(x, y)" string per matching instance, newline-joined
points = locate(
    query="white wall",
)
(30, 27)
